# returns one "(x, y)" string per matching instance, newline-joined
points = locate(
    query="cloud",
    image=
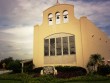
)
(16, 42)
(17, 18)
(97, 11)
(25, 12)
(30, 12)
(89, 1)
(16, 26)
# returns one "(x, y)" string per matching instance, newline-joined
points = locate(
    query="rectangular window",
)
(52, 47)
(72, 45)
(65, 45)
(58, 46)
(46, 47)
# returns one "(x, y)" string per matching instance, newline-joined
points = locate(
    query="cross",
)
(57, 1)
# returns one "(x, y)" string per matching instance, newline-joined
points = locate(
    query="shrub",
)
(15, 66)
(103, 70)
(6, 61)
(37, 71)
(70, 71)
(28, 68)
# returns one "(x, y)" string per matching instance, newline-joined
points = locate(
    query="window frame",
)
(65, 13)
(50, 19)
(58, 21)
(70, 44)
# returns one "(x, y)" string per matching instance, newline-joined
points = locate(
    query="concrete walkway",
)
(5, 71)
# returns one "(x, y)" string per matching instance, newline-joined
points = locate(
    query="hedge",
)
(103, 70)
(70, 71)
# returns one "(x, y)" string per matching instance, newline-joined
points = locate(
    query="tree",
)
(15, 66)
(11, 64)
(6, 61)
(94, 61)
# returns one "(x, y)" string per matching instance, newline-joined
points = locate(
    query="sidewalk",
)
(5, 71)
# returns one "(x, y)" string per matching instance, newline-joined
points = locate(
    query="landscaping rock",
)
(48, 70)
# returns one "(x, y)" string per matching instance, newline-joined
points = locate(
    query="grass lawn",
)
(12, 81)
(91, 82)
(9, 81)
(24, 78)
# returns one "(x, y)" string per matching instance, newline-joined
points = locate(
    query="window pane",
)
(65, 45)
(65, 16)
(72, 45)
(46, 47)
(52, 46)
(58, 46)
(50, 19)
(57, 18)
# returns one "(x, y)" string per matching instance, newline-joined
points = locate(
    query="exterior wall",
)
(72, 27)
(87, 39)
(109, 43)
(93, 40)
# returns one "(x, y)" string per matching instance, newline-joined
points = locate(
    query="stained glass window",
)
(65, 45)
(46, 47)
(72, 44)
(58, 46)
(52, 46)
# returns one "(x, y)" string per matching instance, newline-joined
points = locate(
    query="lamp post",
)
(22, 66)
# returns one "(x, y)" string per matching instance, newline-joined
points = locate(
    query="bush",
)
(37, 71)
(70, 71)
(28, 68)
(15, 66)
(103, 70)
(6, 61)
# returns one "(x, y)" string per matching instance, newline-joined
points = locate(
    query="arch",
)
(59, 44)
(50, 19)
(57, 16)
(62, 34)
(65, 16)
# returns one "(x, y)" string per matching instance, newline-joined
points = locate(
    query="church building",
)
(62, 39)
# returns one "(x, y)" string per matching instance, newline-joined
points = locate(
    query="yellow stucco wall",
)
(82, 28)
(94, 41)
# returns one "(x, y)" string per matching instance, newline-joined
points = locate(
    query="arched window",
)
(59, 44)
(50, 19)
(65, 16)
(57, 17)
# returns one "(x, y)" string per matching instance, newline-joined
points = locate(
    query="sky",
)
(18, 17)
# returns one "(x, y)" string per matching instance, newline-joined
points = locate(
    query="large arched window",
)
(59, 44)
(50, 19)
(65, 16)
(57, 17)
